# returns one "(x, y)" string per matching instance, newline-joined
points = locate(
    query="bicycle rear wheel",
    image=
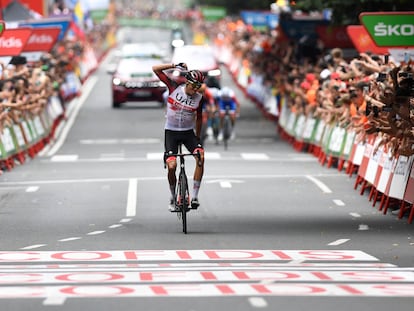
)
(215, 124)
(226, 131)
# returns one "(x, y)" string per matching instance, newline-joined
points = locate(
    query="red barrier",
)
(408, 198)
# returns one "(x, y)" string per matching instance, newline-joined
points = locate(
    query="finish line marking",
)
(56, 276)
(184, 255)
(210, 290)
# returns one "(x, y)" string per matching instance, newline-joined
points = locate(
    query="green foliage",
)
(345, 12)
(234, 7)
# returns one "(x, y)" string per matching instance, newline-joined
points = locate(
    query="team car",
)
(134, 81)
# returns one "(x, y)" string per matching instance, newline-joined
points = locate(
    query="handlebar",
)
(198, 155)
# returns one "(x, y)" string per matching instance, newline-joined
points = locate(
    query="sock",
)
(196, 187)
(172, 190)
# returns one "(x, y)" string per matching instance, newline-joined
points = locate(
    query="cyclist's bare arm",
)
(159, 71)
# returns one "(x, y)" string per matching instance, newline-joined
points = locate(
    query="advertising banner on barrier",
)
(12, 41)
(334, 36)
(2, 27)
(400, 177)
(390, 29)
(369, 148)
(349, 141)
(63, 23)
(362, 40)
(296, 29)
(373, 162)
(402, 55)
(386, 165)
(409, 191)
(260, 19)
(42, 39)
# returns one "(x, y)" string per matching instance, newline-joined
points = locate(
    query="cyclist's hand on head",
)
(182, 66)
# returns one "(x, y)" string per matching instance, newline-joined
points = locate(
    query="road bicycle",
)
(182, 195)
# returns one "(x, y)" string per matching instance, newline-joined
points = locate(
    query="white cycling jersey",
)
(181, 110)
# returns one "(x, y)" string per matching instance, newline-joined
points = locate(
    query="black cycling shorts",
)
(188, 138)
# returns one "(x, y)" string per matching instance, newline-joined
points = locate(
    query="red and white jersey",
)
(181, 109)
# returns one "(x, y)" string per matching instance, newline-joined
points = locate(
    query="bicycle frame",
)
(182, 197)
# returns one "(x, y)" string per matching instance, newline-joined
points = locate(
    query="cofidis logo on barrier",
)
(42, 39)
(390, 29)
(12, 41)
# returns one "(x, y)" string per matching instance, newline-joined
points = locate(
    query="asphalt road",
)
(85, 225)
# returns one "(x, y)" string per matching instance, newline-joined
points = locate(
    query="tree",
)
(344, 12)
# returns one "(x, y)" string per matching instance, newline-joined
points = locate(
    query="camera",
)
(370, 108)
(375, 110)
(381, 77)
(406, 85)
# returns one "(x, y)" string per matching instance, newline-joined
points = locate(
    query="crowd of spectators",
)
(27, 86)
(367, 93)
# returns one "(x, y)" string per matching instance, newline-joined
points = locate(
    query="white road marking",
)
(225, 184)
(339, 202)
(54, 301)
(319, 183)
(115, 226)
(356, 215)
(34, 246)
(296, 262)
(255, 156)
(112, 155)
(86, 90)
(70, 239)
(124, 141)
(363, 227)
(32, 189)
(64, 158)
(96, 232)
(155, 156)
(153, 178)
(212, 155)
(258, 302)
(111, 159)
(132, 197)
(338, 242)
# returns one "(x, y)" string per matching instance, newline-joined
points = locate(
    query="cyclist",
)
(183, 124)
(209, 107)
(227, 98)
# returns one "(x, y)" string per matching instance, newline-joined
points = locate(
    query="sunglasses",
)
(194, 85)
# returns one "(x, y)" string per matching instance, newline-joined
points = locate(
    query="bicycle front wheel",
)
(184, 197)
